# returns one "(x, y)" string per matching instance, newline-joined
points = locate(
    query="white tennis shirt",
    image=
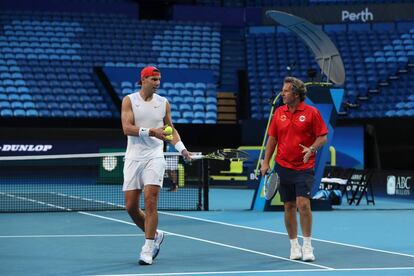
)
(148, 114)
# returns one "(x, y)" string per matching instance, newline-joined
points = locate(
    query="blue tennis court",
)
(360, 241)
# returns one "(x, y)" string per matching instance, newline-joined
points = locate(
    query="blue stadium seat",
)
(198, 93)
(409, 112)
(3, 97)
(198, 121)
(32, 113)
(211, 107)
(198, 107)
(199, 115)
(200, 100)
(19, 113)
(57, 113)
(189, 115)
(183, 121)
(17, 104)
(173, 92)
(211, 100)
(211, 115)
(200, 85)
(93, 114)
(189, 85)
(177, 100)
(186, 93)
(29, 105)
(106, 114)
(81, 114)
(5, 105)
(162, 92)
(175, 115)
(185, 107)
(6, 113)
(189, 100)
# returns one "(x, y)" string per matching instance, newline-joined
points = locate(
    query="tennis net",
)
(92, 182)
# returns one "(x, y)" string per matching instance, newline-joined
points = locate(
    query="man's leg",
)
(148, 253)
(151, 193)
(290, 219)
(132, 206)
(305, 213)
(292, 229)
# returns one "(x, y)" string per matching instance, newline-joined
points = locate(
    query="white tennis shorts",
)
(137, 174)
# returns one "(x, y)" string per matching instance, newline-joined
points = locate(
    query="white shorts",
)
(137, 174)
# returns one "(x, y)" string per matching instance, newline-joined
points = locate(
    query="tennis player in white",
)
(144, 116)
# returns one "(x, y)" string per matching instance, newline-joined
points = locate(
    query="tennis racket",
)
(271, 184)
(223, 154)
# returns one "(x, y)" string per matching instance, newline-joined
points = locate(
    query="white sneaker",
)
(157, 243)
(145, 257)
(295, 252)
(307, 254)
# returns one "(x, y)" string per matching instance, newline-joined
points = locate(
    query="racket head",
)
(226, 154)
(233, 154)
(271, 184)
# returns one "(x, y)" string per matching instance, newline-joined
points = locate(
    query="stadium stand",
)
(47, 61)
(46, 55)
(376, 61)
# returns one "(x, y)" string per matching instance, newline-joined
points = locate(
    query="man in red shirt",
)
(298, 131)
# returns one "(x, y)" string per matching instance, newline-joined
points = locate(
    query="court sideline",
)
(236, 242)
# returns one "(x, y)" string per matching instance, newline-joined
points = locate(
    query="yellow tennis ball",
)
(168, 130)
(169, 137)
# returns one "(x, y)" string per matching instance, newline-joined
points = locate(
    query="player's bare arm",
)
(168, 121)
(176, 136)
(127, 118)
(270, 148)
(308, 151)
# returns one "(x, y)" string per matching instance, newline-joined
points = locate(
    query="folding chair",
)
(360, 186)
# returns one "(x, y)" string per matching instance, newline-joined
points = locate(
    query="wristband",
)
(179, 146)
(143, 132)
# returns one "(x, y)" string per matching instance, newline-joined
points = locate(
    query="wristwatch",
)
(313, 149)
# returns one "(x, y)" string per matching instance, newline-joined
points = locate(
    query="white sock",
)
(149, 243)
(294, 242)
(307, 241)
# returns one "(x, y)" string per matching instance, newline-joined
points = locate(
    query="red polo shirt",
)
(291, 129)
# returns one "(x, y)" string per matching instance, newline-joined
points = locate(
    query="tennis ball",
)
(169, 137)
(168, 130)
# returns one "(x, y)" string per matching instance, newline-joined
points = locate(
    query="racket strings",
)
(233, 154)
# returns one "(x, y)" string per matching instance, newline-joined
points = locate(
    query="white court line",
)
(62, 195)
(263, 271)
(228, 224)
(216, 222)
(71, 236)
(282, 233)
(36, 201)
(211, 242)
